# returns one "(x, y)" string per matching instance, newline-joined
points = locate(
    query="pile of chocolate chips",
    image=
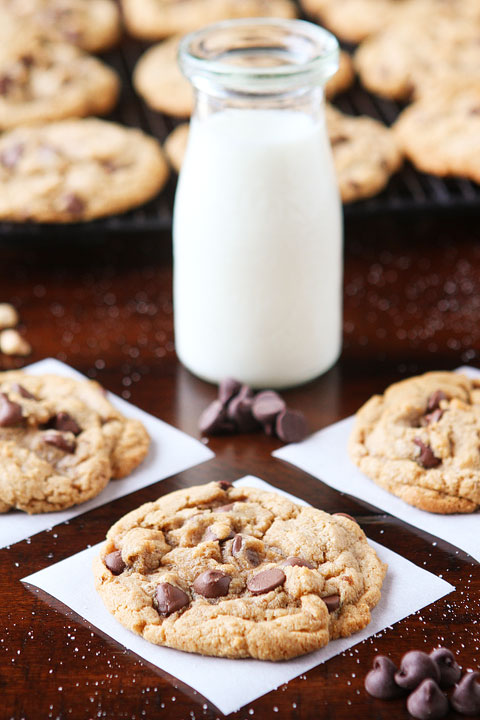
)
(426, 678)
(238, 409)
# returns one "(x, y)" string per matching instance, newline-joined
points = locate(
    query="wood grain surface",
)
(412, 303)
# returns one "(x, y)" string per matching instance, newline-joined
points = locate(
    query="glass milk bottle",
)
(257, 218)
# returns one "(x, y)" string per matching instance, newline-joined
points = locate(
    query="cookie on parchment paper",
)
(238, 572)
(92, 25)
(159, 80)
(156, 19)
(77, 170)
(61, 441)
(419, 441)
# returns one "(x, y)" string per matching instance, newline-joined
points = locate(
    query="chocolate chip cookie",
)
(43, 80)
(92, 25)
(238, 572)
(76, 170)
(61, 442)
(158, 79)
(419, 441)
(156, 19)
(440, 133)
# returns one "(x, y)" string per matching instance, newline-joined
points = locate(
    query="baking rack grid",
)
(408, 191)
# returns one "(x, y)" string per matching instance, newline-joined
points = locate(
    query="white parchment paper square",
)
(324, 455)
(171, 452)
(230, 684)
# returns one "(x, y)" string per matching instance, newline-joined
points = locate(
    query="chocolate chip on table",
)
(239, 411)
(416, 666)
(170, 598)
(332, 602)
(212, 584)
(427, 702)
(64, 422)
(267, 405)
(214, 421)
(113, 561)
(380, 681)
(10, 412)
(23, 392)
(466, 696)
(450, 670)
(291, 426)
(435, 399)
(266, 580)
(59, 440)
(426, 459)
(294, 561)
(227, 388)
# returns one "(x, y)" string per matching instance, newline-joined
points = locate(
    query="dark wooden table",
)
(412, 303)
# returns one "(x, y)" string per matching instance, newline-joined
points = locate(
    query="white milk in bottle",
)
(257, 219)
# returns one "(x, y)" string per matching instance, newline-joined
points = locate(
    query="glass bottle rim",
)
(309, 55)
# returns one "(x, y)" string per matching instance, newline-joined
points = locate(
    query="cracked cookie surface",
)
(420, 441)
(238, 572)
(61, 442)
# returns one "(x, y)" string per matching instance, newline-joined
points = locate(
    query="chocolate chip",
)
(426, 458)
(6, 83)
(74, 204)
(64, 422)
(114, 562)
(59, 440)
(427, 702)
(170, 598)
(345, 515)
(466, 696)
(224, 508)
(239, 411)
(415, 667)
(380, 682)
(432, 417)
(10, 412)
(224, 484)
(227, 388)
(338, 140)
(250, 555)
(214, 421)
(212, 584)
(434, 400)
(297, 562)
(450, 670)
(266, 581)
(267, 405)
(332, 602)
(291, 426)
(11, 155)
(23, 391)
(237, 545)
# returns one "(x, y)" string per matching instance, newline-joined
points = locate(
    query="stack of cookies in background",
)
(58, 164)
(426, 52)
(55, 167)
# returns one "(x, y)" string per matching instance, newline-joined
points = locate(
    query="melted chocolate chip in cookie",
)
(266, 580)
(113, 561)
(10, 412)
(427, 459)
(170, 598)
(59, 440)
(212, 584)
